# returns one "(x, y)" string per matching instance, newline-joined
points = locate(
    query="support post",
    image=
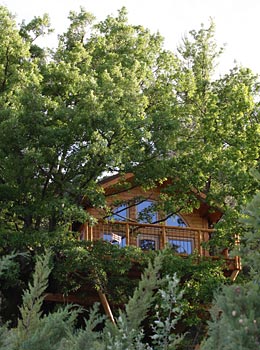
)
(206, 239)
(163, 236)
(127, 231)
(234, 275)
(85, 235)
(90, 231)
(199, 242)
(106, 306)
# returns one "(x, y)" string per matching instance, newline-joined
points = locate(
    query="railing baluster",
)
(91, 233)
(164, 239)
(195, 235)
(206, 238)
(199, 243)
(127, 231)
(87, 232)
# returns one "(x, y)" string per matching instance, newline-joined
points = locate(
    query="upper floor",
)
(138, 217)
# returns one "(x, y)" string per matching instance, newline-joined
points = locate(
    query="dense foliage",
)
(236, 313)
(56, 330)
(100, 266)
(110, 98)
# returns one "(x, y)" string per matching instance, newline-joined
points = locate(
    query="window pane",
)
(145, 212)
(147, 244)
(115, 239)
(120, 213)
(175, 220)
(181, 246)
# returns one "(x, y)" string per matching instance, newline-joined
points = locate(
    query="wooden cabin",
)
(135, 219)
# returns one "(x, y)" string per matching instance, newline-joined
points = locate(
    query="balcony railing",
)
(183, 240)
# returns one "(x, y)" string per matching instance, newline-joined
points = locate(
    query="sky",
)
(237, 21)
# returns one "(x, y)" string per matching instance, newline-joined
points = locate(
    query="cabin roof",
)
(109, 181)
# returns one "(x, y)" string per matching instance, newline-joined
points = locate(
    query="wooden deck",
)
(183, 240)
(190, 239)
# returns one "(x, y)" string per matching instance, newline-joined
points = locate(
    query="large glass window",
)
(115, 239)
(120, 213)
(175, 220)
(145, 212)
(181, 246)
(148, 242)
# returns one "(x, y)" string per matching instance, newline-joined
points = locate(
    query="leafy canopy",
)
(111, 98)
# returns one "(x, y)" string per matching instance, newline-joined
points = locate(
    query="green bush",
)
(57, 330)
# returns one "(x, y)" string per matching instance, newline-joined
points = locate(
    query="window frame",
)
(190, 249)
(143, 237)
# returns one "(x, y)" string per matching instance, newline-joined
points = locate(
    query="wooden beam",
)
(60, 298)
(106, 306)
(90, 233)
(127, 234)
(199, 243)
(234, 275)
(164, 239)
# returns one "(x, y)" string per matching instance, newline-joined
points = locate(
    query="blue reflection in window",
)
(181, 246)
(115, 239)
(175, 220)
(145, 212)
(120, 213)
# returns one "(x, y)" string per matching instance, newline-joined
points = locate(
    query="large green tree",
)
(214, 129)
(78, 112)
(110, 98)
(235, 320)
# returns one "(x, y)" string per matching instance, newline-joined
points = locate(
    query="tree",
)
(251, 238)
(110, 98)
(235, 315)
(80, 113)
(216, 141)
(56, 330)
(235, 319)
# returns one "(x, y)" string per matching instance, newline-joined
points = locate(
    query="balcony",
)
(183, 240)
